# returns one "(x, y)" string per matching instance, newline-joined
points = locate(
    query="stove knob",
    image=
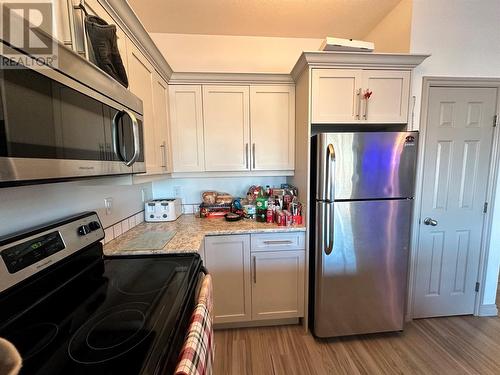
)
(94, 225)
(83, 230)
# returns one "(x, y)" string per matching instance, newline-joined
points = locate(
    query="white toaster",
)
(162, 210)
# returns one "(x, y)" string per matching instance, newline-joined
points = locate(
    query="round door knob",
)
(430, 221)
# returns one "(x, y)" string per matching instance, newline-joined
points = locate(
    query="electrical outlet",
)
(144, 195)
(177, 191)
(108, 205)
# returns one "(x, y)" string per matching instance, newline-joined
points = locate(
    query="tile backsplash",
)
(121, 227)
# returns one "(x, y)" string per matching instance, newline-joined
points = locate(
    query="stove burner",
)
(116, 329)
(41, 334)
(153, 281)
(110, 334)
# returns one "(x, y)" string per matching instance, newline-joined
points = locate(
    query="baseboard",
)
(488, 310)
(257, 323)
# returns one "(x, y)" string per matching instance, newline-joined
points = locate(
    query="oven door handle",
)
(119, 147)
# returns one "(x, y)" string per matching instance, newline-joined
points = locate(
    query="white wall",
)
(191, 188)
(463, 37)
(232, 54)
(392, 34)
(26, 206)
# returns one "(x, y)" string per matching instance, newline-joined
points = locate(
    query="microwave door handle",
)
(118, 148)
(137, 141)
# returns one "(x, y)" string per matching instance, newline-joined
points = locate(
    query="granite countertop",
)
(190, 232)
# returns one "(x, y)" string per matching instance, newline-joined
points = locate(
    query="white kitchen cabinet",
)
(162, 143)
(186, 126)
(254, 285)
(226, 128)
(272, 124)
(278, 284)
(141, 79)
(338, 96)
(227, 258)
(335, 95)
(388, 102)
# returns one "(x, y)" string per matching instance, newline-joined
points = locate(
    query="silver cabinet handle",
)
(253, 153)
(163, 147)
(358, 103)
(247, 166)
(255, 270)
(367, 99)
(430, 221)
(77, 29)
(278, 242)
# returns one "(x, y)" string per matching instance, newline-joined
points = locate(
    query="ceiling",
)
(278, 18)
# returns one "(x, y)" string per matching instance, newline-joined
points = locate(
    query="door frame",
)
(450, 82)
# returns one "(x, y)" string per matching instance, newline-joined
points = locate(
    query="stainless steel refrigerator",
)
(363, 186)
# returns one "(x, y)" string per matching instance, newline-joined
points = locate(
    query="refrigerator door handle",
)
(330, 173)
(329, 213)
(329, 228)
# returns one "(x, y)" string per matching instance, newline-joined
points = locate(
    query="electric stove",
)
(70, 310)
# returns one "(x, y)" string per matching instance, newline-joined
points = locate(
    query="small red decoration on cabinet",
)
(367, 94)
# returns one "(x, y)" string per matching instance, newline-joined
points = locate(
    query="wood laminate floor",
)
(455, 345)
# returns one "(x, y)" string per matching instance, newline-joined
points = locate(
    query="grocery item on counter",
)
(223, 198)
(261, 215)
(249, 210)
(266, 205)
(209, 197)
(233, 217)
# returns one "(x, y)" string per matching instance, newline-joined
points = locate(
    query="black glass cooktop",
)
(124, 315)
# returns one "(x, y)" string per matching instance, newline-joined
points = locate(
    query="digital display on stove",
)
(27, 253)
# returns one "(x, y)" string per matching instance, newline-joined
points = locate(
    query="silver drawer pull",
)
(277, 242)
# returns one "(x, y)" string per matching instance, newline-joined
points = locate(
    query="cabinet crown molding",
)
(356, 60)
(190, 78)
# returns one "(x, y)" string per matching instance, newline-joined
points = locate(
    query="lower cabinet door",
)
(227, 259)
(277, 284)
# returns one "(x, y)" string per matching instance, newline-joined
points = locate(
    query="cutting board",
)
(148, 241)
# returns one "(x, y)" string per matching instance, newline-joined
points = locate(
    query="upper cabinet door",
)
(226, 128)
(186, 122)
(272, 121)
(335, 95)
(388, 102)
(162, 129)
(141, 84)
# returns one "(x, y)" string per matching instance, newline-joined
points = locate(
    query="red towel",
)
(196, 356)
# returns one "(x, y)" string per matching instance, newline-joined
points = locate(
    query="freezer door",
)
(360, 286)
(368, 165)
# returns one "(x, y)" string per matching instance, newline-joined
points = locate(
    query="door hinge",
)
(485, 207)
(495, 120)
(477, 287)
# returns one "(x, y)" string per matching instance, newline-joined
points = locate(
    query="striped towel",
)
(196, 356)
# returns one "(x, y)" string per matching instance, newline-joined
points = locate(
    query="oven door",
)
(54, 127)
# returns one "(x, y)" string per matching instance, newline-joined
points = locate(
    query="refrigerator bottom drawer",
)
(360, 285)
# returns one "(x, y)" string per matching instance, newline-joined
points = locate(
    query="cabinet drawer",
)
(277, 241)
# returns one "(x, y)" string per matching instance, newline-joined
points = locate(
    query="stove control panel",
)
(28, 253)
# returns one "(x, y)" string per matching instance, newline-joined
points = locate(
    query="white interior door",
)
(456, 164)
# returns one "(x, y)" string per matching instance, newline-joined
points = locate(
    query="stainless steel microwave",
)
(68, 122)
